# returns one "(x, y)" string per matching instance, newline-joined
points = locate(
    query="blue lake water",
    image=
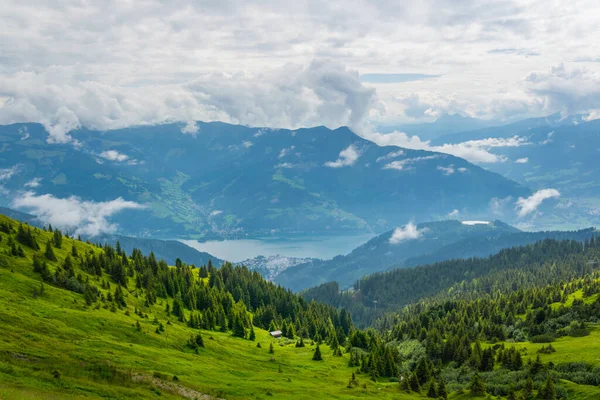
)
(324, 247)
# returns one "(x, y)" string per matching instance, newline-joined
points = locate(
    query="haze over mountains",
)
(414, 245)
(235, 181)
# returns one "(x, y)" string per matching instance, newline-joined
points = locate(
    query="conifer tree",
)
(353, 382)
(49, 253)
(432, 392)
(477, 386)
(442, 393)
(238, 327)
(528, 390)
(317, 355)
(57, 238)
(252, 335)
(414, 383)
(271, 349)
(511, 393)
(548, 392)
(404, 385)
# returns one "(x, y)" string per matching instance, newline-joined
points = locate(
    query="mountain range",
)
(415, 245)
(235, 181)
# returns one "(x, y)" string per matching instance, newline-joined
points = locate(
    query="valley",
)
(299, 200)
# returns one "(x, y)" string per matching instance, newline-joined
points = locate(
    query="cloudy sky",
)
(110, 64)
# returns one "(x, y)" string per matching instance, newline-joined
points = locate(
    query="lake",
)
(324, 247)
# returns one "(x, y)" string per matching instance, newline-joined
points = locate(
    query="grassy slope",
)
(56, 331)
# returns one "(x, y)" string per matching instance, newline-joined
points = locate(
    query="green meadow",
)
(54, 346)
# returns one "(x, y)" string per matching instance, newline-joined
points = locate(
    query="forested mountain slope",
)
(430, 242)
(81, 321)
(544, 262)
(391, 249)
(235, 181)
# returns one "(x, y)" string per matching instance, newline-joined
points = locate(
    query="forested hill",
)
(385, 252)
(81, 321)
(536, 343)
(545, 262)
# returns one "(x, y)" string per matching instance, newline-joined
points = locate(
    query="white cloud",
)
(548, 138)
(449, 170)
(24, 132)
(285, 151)
(567, 89)
(498, 207)
(473, 223)
(179, 61)
(191, 128)
(7, 173)
(318, 92)
(215, 213)
(594, 114)
(523, 160)
(35, 182)
(477, 151)
(74, 214)
(453, 214)
(247, 144)
(285, 165)
(389, 155)
(113, 155)
(347, 158)
(408, 232)
(402, 164)
(530, 204)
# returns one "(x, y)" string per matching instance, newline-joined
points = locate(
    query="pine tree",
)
(528, 390)
(404, 383)
(119, 297)
(317, 356)
(414, 383)
(199, 340)
(537, 366)
(57, 238)
(271, 349)
(49, 253)
(442, 393)
(548, 392)
(432, 392)
(222, 321)
(477, 386)
(238, 327)
(252, 335)
(511, 393)
(353, 382)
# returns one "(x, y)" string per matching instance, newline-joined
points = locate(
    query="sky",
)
(112, 64)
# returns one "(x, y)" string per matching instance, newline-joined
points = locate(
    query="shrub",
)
(544, 338)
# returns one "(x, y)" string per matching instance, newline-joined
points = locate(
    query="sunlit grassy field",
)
(54, 346)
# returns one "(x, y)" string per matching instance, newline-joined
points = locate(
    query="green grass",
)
(568, 349)
(56, 347)
(100, 354)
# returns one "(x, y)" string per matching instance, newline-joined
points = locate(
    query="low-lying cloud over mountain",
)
(80, 217)
(106, 65)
